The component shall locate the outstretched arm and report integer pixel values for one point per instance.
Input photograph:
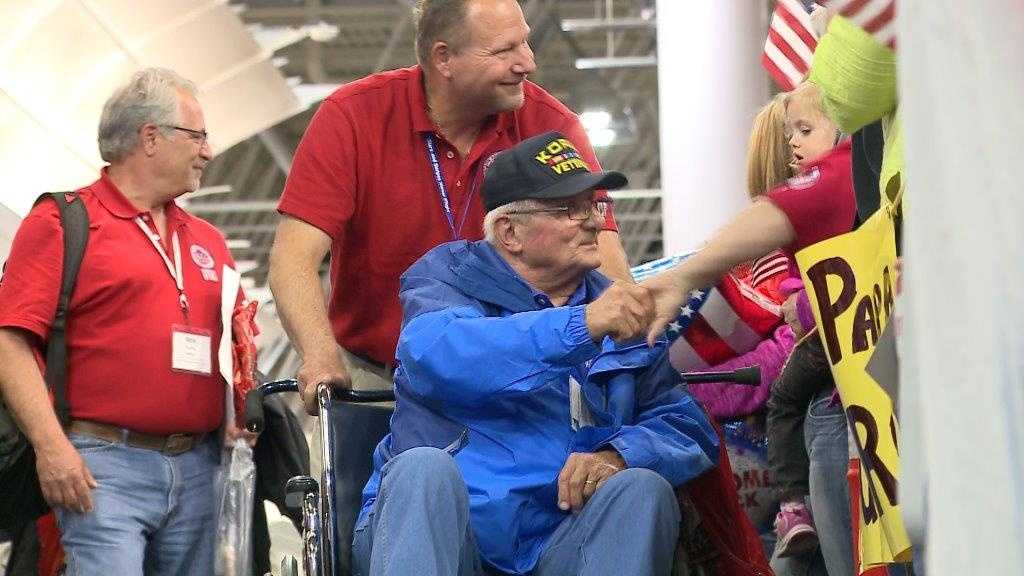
(756, 231)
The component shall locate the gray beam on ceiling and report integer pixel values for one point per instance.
(238, 172)
(639, 221)
(267, 179)
(532, 8)
(279, 151)
(635, 193)
(636, 217)
(271, 205)
(233, 206)
(314, 58)
(399, 32)
(314, 10)
(604, 62)
(241, 229)
(590, 24)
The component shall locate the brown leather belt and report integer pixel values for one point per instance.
(172, 445)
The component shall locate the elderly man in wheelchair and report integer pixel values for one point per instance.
(533, 432)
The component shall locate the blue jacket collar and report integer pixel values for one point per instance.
(482, 273)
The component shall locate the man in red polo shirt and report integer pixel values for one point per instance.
(389, 167)
(131, 478)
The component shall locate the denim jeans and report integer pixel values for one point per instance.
(152, 513)
(805, 375)
(420, 525)
(825, 433)
(825, 437)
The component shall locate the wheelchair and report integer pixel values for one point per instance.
(329, 507)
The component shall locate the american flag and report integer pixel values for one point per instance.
(876, 17)
(718, 324)
(790, 45)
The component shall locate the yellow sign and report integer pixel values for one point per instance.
(850, 282)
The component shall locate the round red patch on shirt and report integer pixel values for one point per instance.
(200, 256)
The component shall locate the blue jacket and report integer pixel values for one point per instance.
(484, 369)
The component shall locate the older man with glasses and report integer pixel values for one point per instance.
(129, 467)
(532, 433)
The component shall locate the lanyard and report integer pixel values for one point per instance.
(175, 268)
(442, 189)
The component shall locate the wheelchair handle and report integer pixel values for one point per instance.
(746, 376)
(254, 399)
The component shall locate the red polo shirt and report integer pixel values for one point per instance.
(362, 174)
(121, 312)
(819, 202)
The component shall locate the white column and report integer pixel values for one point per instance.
(9, 222)
(710, 84)
(961, 86)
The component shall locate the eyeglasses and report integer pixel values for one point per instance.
(578, 212)
(197, 135)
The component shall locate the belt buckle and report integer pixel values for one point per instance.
(177, 443)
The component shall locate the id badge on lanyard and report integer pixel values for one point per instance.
(191, 347)
(191, 350)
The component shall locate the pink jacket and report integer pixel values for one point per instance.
(732, 401)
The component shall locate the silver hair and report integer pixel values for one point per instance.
(492, 217)
(151, 96)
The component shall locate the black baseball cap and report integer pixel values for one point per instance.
(539, 168)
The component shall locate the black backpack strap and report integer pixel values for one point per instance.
(75, 221)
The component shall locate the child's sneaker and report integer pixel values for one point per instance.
(795, 530)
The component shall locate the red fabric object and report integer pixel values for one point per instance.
(243, 349)
(733, 320)
(362, 175)
(755, 336)
(790, 45)
(713, 494)
(121, 311)
(853, 479)
(876, 17)
(818, 203)
(767, 274)
(51, 554)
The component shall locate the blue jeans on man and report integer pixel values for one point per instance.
(420, 525)
(152, 514)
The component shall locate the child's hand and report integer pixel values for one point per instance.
(670, 289)
(792, 317)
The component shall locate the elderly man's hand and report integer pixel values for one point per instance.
(622, 312)
(583, 474)
(316, 370)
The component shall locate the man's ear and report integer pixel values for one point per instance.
(147, 138)
(441, 58)
(509, 235)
